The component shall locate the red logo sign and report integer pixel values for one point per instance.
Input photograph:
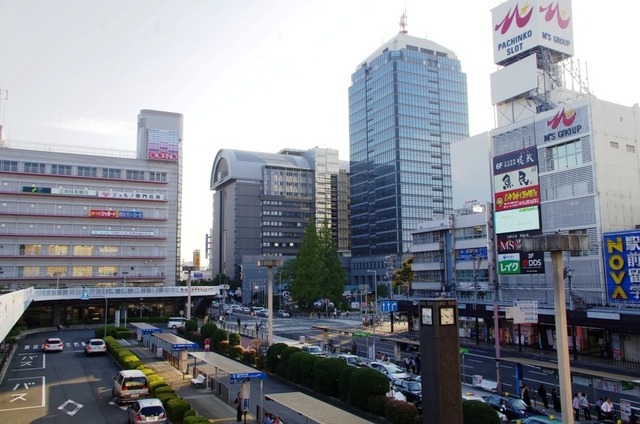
(554, 11)
(566, 118)
(521, 17)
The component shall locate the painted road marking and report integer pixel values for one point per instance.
(73, 411)
(25, 393)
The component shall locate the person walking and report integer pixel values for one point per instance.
(607, 409)
(238, 404)
(354, 349)
(576, 406)
(525, 395)
(542, 394)
(266, 419)
(584, 402)
(556, 400)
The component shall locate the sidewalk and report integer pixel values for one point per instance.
(202, 400)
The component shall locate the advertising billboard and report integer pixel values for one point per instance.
(516, 188)
(519, 26)
(622, 265)
(163, 145)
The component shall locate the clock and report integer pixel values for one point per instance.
(427, 316)
(447, 316)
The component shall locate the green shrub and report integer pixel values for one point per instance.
(326, 373)
(364, 384)
(195, 420)
(189, 413)
(285, 355)
(206, 331)
(236, 352)
(343, 382)
(292, 372)
(218, 336)
(156, 384)
(124, 334)
(399, 412)
(176, 409)
(376, 404)
(249, 356)
(166, 397)
(161, 390)
(273, 355)
(234, 339)
(306, 369)
(191, 326)
(478, 412)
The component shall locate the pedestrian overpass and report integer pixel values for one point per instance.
(14, 304)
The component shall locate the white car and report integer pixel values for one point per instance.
(52, 344)
(392, 371)
(95, 346)
(175, 322)
(314, 350)
(283, 314)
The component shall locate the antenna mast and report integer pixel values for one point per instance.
(403, 22)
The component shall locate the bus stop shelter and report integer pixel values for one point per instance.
(144, 332)
(221, 372)
(172, 348)
(314, 410)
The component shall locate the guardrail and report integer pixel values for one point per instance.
(40, 295)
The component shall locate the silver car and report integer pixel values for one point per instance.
(147, 411)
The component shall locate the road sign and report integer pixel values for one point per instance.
(242, 376)
(529, 309)
(388, 306)
(286, 294)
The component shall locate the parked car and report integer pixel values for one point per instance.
(263, 313)
(52, 344)
(541, 419)
(147, 411)
(95, 346)
(175, 322)
(352, 360)
(392, 371)
(474, 396)
(129, 386)
(512, 406)
(245, 310)
(409, 387)
(313, 349)
(320, 303)
(283, 314)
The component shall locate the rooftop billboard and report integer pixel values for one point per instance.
(521, 25)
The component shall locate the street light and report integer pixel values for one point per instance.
(477, 260)
(270, 263)
(568, 274)
(375, 286)
(57, 274)
(85, 296)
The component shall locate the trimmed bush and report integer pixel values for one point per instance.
(189, 413)
(155, 385)
(273, 355)
(327, 372)
(249, 356)
(124, 334)
(195, 420)
(306, 369)
(478, 412)
(191, 326)
(292, 372)
(176, 409)
(364, 384)
(166, 397)
(217, 337)
(343, 382)
(285, 355)
(376, 404)
(236, 352)
(399, 412)
(164, 389)
(234, 339)
(206, 331)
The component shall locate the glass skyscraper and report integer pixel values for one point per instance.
(407, 103)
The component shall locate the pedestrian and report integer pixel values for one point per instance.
(407, 364)
(576, 406)
(542, 394)
(417, 364)
(267, 418)
(584, 402)
(633, 419)
(239, 321)
(598, 408)
(276, 420)
(238, 404)
(556, 400)
(354, 349)
(607, 409)
(524, 394)
(412, 363)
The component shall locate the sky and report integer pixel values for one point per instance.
(256, 75)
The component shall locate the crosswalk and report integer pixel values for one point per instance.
(67, 345)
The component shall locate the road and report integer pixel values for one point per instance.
(61, 387)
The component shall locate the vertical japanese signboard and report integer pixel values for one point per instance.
(622, 265)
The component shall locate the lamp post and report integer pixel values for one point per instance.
(375, 287)
(270, 264)
(124, 280)
(567, 274)
(477, 260)
(85, 296)
(188, 269)
(57, 274)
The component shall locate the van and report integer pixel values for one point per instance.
(175, 322)
(130, 385)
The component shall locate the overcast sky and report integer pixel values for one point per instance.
(248, 74)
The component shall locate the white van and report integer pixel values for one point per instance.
(129, 386)
(175, 322)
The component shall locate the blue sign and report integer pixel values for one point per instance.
(151, 330)
(183, 346)
(388, 306)
(242, 376)
(622, 265)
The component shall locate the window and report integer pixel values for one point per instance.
(61, 169)
(8, 165)
(87, 171)
(564, 156)
(34, 167)
(111, 173)
(158, 176)
(135, 175)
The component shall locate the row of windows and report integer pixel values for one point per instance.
(103, 250)
(81, 171)
(87, 271)
(277, 244)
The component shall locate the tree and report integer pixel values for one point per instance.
(334, 279)
(309, 268)
(404, 276)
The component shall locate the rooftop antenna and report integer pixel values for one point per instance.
(403, 22)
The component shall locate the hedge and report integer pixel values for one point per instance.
(176, 409)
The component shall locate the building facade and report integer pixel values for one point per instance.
(407, 104)
(97, 218)
(262, 203)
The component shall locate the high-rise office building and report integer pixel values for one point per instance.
(407, 104)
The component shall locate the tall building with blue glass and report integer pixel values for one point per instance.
(407, 104)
